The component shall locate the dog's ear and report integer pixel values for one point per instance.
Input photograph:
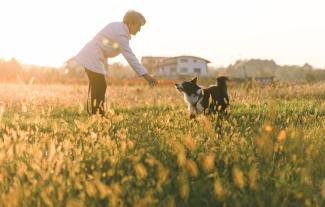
(194, 80)
(222, 78)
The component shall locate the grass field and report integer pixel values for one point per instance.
(269, 150)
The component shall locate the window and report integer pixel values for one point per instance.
(184, 70)
(184, 60)
(195, 60)
(197, 70)
(172, 70)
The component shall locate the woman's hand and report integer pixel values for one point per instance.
(151, 81)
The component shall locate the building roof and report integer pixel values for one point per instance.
(153, 57)
(186, 56)
(174, 57)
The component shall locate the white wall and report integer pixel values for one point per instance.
(179, 65)
(191, 64)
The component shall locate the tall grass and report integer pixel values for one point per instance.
(268, 151)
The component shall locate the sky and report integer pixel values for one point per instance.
(48, 32)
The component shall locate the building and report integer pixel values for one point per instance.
(176, 66)
(152, 63)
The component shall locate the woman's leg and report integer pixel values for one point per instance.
(97, 84)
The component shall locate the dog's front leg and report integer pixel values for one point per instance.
(212, 107)
(192, 116)
(192, 111)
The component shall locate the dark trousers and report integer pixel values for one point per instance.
(97, 87)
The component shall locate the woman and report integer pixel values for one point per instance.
(112, 40)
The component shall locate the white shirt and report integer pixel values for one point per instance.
(109, 42)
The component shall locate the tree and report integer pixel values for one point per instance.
(11, 68)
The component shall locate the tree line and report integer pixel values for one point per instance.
(12, 71)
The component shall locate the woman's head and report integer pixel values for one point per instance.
(134, 20)
(134, 17)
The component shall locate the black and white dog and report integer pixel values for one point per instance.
(204, 100)
(194, 95)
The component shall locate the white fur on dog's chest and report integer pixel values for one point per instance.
(192, 99)
(194, 104)
(199, 107)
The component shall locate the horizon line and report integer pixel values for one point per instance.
(124, 63)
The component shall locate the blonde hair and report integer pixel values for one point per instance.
(134, 17)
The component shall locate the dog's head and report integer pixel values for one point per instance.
(222, 80)
(188, 87)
